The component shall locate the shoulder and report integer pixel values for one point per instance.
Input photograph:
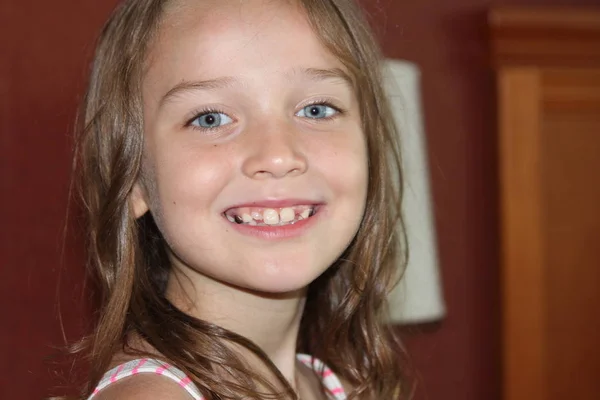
(346, 385)
(143, 387)
(145, 378)
(334, 383)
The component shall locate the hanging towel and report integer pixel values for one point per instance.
(418, 298)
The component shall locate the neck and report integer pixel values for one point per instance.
(271, 321)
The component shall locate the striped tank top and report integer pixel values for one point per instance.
(151, 366)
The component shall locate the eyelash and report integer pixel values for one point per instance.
(317, 102)
(326, 103)
(200, 113)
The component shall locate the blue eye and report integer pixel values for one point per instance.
(317, 111)
(210, 120)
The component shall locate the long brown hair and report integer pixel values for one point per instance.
(343, 319)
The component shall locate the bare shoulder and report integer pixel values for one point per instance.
(143, 387)
(346, 385)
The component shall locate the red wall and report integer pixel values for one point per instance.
(43, 48)
(459, 358)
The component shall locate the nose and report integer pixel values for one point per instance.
(274, 153)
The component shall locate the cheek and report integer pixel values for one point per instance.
(186, 183)
(345, 163)
(193, 172)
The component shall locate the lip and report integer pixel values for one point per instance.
(283, 232)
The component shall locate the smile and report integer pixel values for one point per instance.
(260, 216)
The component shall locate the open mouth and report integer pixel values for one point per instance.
(260, 216)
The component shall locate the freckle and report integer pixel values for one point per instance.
(214, 145)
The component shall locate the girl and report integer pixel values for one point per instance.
(236, 168)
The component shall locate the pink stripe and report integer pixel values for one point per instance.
(137, 367)
(337, 390)
(117, 372)
(160, 370)
(185, 381)
(327, 372)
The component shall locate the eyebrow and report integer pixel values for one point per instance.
(187, 86)
(318, 74)
(314, 74)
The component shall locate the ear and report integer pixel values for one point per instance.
(137, 200)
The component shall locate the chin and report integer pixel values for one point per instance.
(283, 278)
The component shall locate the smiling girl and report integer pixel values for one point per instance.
(237, 161)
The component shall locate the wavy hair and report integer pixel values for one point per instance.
(343, 321)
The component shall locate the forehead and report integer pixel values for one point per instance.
(224, 13)
(209, 39)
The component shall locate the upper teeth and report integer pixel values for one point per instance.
(269, 216)
(287, 215)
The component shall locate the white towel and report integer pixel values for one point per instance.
(418, 298)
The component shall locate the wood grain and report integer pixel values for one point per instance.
(548, 63)
(522, 239)
(555, 36)
(571, 191)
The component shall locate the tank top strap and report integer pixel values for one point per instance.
(148, 365)
(152, 366)
(331, 382)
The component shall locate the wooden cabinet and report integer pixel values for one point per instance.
(548, 78)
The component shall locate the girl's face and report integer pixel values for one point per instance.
(255, 166)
